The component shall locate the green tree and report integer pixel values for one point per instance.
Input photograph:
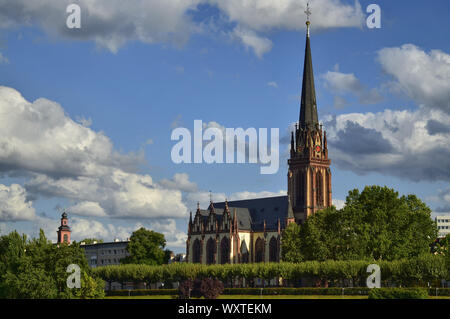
(146, 247)
(290, 245)
(374, 224)
(37, 269)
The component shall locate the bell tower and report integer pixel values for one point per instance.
(309, 175)
(64, 230)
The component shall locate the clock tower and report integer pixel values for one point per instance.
(309, 175)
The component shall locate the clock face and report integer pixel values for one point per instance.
(317, 148)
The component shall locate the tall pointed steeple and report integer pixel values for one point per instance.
(309, 176)
(308, 107)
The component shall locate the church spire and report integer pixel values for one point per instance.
(308, 108)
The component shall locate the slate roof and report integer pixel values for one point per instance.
(251, 213)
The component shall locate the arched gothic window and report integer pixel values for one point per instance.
(244, 253)
(273, 250)
(196, 251)
(301, 189)
(319, 189)
(211, 251)
(225, 251)
(259, 250)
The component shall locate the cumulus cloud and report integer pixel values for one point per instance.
(109, 23)
(87, 208)
(343, 83)
(396, 143)
(289, 14)
(112, 23)
(119, 194)
(174, 237)
(423, 77)
(38, 136)
(63, 158)
(91, 228)
(338, 203)
(273, 84)
(14, 204)
(259, 44)
(179, 181)
(444, 198)
(3, 59)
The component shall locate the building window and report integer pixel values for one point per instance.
(196, 251)
(244, 253)
(300, 189)
(259, 250)
(273, 250)
(319, 189)
(66, 238)
(225, 251)
(210, 251)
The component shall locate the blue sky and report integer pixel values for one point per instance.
(132, 74)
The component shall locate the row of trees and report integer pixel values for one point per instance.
(374, 224)
(37, 269)
(420, 271)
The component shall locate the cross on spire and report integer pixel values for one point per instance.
(308, 14)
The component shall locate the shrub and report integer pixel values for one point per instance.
(185, 288)
(211, 288)
(206, 287)
(398, 293)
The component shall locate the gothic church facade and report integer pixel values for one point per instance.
(249, 231)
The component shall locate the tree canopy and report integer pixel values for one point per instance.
(37, 269)
(147, 247)
(374, 224)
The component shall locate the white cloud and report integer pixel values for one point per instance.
(119, 194)
(3, 59)
(338, 203)
(423, 77)
(263, 15)
(112, 23)
(87, 208)
(88, 228)
(341, 83)
(179, 181)
(65, 159)
(174, 237)
(39, 137)
(273, 84)
(14, 204)
(397, 143)
(250, 39)
(108, 23)
(443, 198)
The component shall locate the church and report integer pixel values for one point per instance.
(249, 231)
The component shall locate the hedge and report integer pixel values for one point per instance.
(142, 292)
(296, 291)
(279, 291)
(428, 269)
(398, 293)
